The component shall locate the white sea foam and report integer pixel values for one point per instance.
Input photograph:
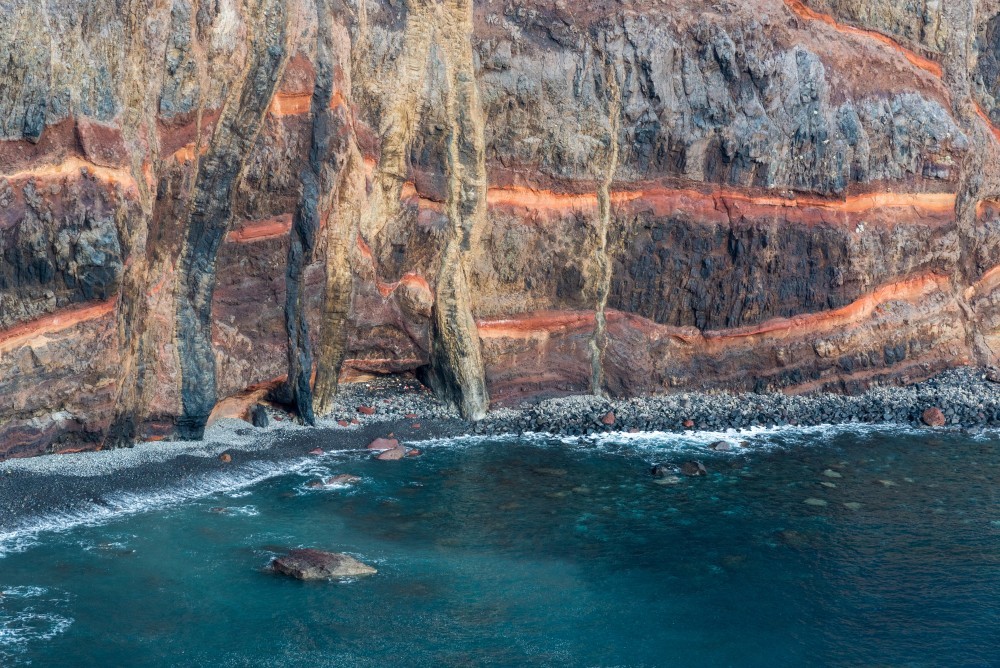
(22, 620)
(235, 481)
(116, 506)
(694, 442)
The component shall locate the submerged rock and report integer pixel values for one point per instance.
(721, 446)
(343, 479)
(693, 468)
(310, 564)
(662, 471)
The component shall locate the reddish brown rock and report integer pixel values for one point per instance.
(688, 424)
(609, 418)
(366, 410)
(225, 458)
(415, 452)
(383, 444)
(393, 455)
(933, 417)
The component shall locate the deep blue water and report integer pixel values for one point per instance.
(544, 553)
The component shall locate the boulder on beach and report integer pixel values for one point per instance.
(366, 410)
(609, 418)
(383, 444)
(392, 455)
(933, 417)
(225, 458)
(310, 564)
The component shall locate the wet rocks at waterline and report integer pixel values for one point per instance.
(312, 564)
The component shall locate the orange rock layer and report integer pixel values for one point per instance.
(29, 332)
(927, 65)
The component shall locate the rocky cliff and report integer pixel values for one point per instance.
(203, 200)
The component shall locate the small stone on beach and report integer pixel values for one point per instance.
(225, 458)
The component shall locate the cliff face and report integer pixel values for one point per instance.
(202, 200)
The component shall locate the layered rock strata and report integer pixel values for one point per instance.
(204, 202)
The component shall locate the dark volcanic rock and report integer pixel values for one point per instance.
(258, 416)
(310, 564)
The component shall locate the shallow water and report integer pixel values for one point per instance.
(538, 552)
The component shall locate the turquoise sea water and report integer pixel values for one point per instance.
(541, 553)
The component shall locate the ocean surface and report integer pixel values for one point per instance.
(814, 547)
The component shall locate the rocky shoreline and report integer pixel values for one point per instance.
(402, 409)
(965, 397)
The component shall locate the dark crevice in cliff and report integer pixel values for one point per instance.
(210, 213)
(306, 225)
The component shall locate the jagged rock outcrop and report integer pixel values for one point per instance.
(215, 201)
